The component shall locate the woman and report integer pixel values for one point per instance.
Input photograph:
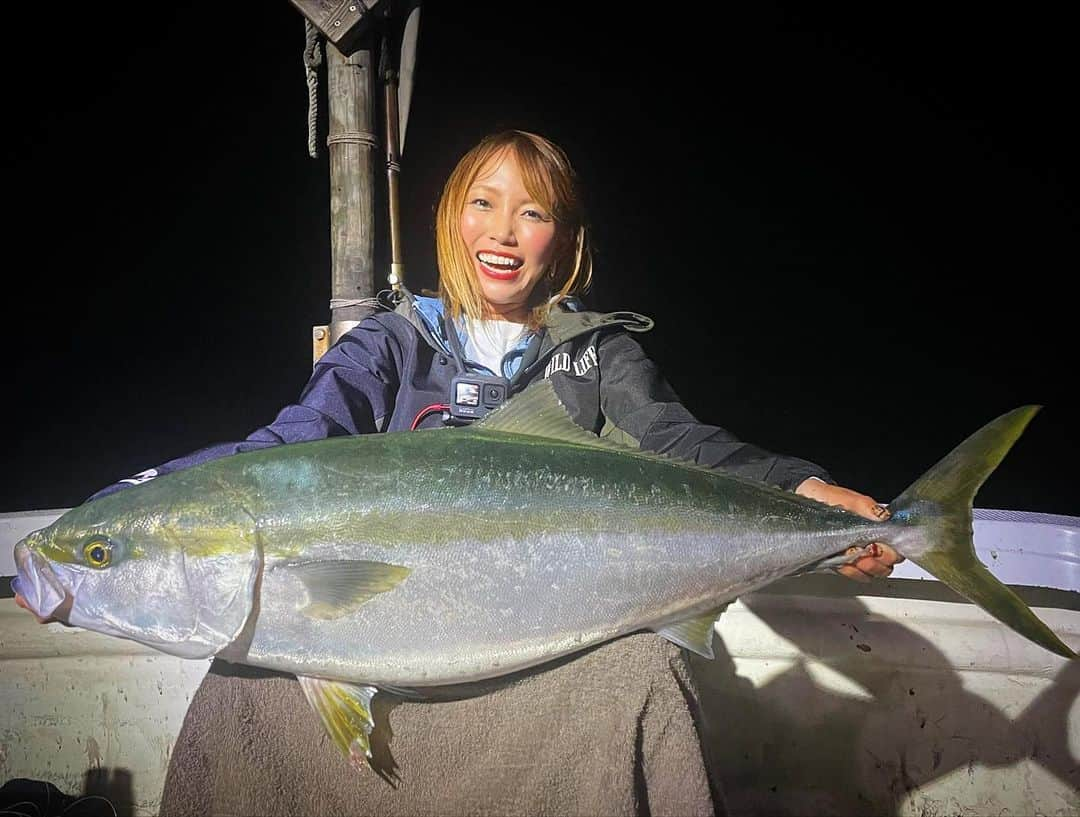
(611, 731)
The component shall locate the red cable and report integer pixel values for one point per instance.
(424, 412)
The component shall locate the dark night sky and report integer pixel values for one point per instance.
(854, 228)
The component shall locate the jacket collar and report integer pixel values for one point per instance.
(566, 321)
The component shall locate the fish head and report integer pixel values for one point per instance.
(185, 590)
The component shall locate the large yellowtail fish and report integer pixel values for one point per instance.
(432, 559)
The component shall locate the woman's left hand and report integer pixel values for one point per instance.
(879, 563)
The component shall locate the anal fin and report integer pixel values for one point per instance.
(695, 634)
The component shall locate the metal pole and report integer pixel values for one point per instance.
(393, 168)
(352, 143)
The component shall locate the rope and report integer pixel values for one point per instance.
(341, 303)
(385, 299)
(354, 137)
(312, 61)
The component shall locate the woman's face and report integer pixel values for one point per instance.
(510, 237)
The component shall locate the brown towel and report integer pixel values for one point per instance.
(610, 732)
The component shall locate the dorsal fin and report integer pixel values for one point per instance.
(538, 412)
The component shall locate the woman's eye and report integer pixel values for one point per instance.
(535, 215)
(480, 203)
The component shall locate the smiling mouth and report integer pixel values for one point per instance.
(501, 267)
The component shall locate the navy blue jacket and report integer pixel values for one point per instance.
(382, 375)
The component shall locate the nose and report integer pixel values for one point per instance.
(502, 228)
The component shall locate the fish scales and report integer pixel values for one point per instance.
(510, 564)
(434, 558)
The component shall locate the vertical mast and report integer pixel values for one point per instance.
(352, 142)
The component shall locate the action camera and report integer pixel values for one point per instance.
(474, 395)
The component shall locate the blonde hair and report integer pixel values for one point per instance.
(548, 178)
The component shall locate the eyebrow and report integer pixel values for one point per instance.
(490, 188)
(478, 187)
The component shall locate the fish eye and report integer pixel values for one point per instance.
(98, 552)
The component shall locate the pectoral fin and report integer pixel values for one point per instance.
(345, 711)
(694, 634)
(337, 588)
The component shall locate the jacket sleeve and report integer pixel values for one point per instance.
(636, 398)
(351, 391)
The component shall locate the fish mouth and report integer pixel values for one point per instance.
(37, 587)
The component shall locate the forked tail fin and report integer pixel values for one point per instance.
(940, 502)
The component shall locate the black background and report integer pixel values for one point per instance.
(854, 228)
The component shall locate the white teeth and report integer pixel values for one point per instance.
(499, 260)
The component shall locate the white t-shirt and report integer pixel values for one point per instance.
(488, 341)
